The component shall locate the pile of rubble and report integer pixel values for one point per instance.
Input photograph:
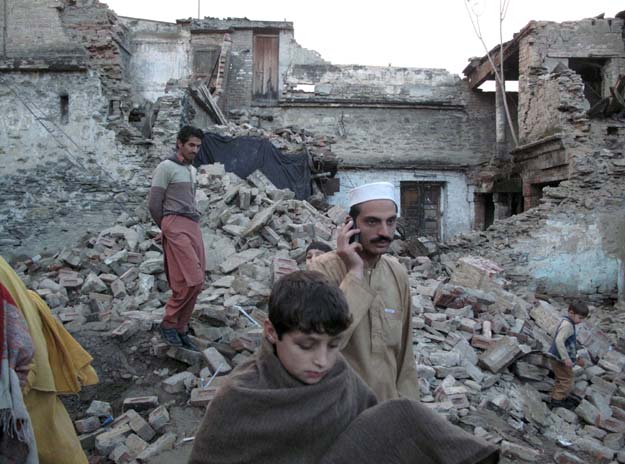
(480, 361)
(55, 195)
(126, 438)
(291, 139)
(114, 281)
(478, 345)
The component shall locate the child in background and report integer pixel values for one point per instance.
(563, 352)
(315, 249)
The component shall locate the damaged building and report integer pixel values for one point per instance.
(569, 158)
(504, 223)
(422, 129)
(95, 99)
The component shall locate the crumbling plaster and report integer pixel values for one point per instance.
(160, 52)
(547, 44)
(371, 83)
(24, 140)
(576, 255)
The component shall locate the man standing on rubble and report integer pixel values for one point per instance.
(379, 342)
(172, 206)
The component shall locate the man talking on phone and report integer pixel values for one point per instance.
(378, 344)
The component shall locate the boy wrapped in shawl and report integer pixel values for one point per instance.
(263, 414)
(297, 401)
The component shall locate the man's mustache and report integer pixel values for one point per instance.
(381, 239)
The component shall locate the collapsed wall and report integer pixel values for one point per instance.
(62, 159)
(573, 242)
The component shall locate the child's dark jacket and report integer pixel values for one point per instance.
(565, 329)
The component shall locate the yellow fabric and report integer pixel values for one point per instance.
(379, 346)
(41, 377)
(56, 439)
(61, 365)
(70, 362)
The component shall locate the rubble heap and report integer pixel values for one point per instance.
(480, 361)
(478, 345)
(593, 191)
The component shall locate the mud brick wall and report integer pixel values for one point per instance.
(548, 44)
(241, 69)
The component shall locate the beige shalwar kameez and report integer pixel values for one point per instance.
(379, 341)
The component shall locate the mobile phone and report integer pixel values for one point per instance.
(355, 237)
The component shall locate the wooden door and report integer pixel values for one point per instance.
(420, 208)
(265, 85)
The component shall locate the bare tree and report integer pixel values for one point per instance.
(474, 16)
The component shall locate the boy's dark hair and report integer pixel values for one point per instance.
(580, 308)
(319, 246)
(186, 132)
(306, 301)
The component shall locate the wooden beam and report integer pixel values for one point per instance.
(484, 70)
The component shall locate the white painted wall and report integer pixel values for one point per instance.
(456, 195)
(155, 62)
(160, 52)
(570, 257)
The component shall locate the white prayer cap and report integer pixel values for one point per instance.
(373, 191)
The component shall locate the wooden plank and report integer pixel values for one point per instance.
(204, 99)
(484, 71)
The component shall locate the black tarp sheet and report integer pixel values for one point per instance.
(244, 155)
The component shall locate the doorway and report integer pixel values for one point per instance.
(420, 209)
(265, 83)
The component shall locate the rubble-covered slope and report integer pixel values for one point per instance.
(477, 344)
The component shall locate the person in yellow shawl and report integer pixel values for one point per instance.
(60, 365)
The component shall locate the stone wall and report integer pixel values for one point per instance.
(572, 239)
(573, 242)
(374, 83)
(57, 185)
(396, 137)
(554, 93)
(456, 195)
(160, 52)
(34, 29)
(548, 44)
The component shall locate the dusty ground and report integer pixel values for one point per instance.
(127, 369)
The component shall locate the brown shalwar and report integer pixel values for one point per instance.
(184, 266)
(564, 379)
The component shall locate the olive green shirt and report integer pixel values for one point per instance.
(173, 191)
(379, 341)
